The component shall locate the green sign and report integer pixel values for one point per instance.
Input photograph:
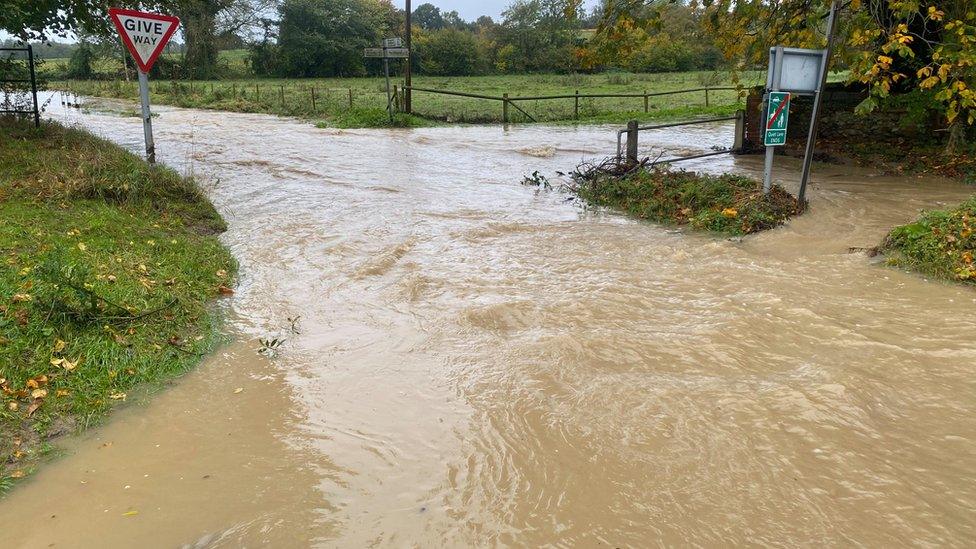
(777, 118)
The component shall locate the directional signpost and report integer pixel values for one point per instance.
(145, 35)
(392, 49)
(777, 118)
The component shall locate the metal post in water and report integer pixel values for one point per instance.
(147, 117)
(632, 131)
(777, 78)
(817, 101)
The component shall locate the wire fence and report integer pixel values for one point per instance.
(310, 98)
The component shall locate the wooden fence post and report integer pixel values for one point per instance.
(394, 101)
(281, 91)
(233, 90)
(257, 92)
(350, 98)
(632, 132)
(313, 98)
(505, 108)
(706, 97)
(646, 103)
(576, 107)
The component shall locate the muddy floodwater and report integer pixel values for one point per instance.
(483, 364)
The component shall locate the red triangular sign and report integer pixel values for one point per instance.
(145, 34)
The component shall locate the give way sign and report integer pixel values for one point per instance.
(145, 34)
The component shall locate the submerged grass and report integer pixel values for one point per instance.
(727, 204)
(941, 243)
(108, 269)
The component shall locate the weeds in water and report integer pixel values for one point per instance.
(537, 180)
(270, 347)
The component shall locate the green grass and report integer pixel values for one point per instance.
(109, 270)
(291, 97)
(941, 244)
(726, 204)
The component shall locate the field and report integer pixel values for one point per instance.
(345, 101)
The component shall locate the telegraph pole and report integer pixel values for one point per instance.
(407, 92)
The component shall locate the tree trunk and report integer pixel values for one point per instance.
(199, 30)
(957, 137)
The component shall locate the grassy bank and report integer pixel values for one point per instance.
(940, 243)
(335, 99)
(726, 204)
(109, 270)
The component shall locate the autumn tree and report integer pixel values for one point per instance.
(924, 50)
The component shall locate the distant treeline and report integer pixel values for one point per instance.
(326, 38)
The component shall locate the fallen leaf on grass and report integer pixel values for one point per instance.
(63, 393)
(17, 474)
(117, 396)
(13, 406)
(34, 407)
(82, 247)
(59, 346)
(38, 393)
(225, 291)
(22, 298)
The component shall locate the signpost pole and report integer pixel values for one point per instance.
(408, 90)
(817, 101)
(147, 117)
(775, 80)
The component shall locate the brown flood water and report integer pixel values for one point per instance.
(481, 364)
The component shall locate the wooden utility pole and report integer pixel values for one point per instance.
(407, 92)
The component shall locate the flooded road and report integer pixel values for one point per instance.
(482, 364)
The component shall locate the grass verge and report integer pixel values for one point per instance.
(109, 269)
(941, 244)
(727, 204)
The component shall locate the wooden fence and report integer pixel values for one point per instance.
(512, 101)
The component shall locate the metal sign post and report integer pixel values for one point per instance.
(145, 35)
(775, 79)
(391, 50)
(818, 100)
(146, 117)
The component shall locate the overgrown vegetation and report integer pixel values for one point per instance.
(940, 243)
(109, 268)
(727, 204)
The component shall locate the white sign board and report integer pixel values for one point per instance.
(144, 34)
(800, 73)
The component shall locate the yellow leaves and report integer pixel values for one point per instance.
(130, 513)
(929, 82)
(22, 298)
(62, 393)
(238, 390)
(924, 71)
(82, 246)
(59, 346)
(13, 406)
(38, 393)
(18, 474)
(25, 271)
(118, 396)
(730, 212)
(935, 14)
